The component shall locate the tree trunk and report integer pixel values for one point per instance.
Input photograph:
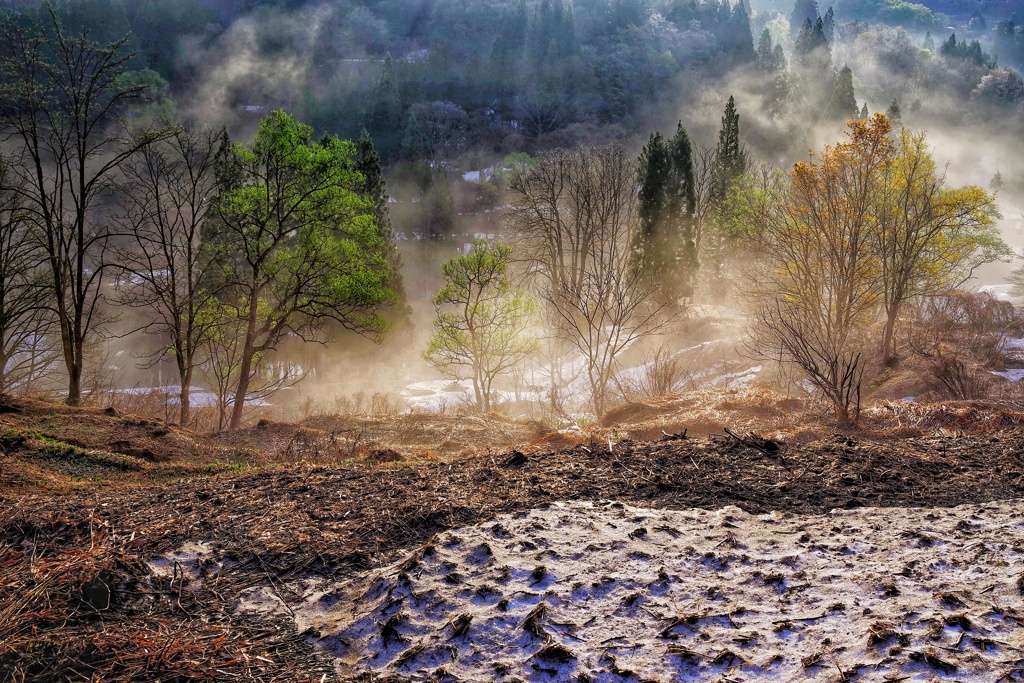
(598, 393)
(477, 392)
(74, 384)
(74, 369)
(888, 352)
(184, 410)
(244, 372)
(4, 389)
(184, 407)
(243, 386)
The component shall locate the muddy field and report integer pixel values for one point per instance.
(133, 582)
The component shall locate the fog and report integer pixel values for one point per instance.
(323, 63)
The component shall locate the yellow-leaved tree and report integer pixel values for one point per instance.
(928, 237)
(846, 240)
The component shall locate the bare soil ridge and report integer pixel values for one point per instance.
(78, 598)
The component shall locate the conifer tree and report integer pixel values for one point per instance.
(828, 25)
(812, 47)
(803, 11)
(996, 183)
(373, 188)
(509, 48)
(765, 55)
(949, 48)
(742, 47)
(843, 105)
(542, 35)
(864, 111)
(894, 114)
(653, 168)
(666, 245)
(386, 117)
(684, 204)
(730, 158)
(779, 58)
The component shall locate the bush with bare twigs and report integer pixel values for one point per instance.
(959, 336)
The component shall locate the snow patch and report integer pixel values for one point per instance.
(609, 592)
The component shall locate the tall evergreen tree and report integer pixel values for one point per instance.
(741, 38)
(386, 117)
(653, 168)
(864, 111)
(684, 203)
(542, 35)
(779, 61)
(803, 11)
(373, 188)
(765, 55)
(730, 157)
(894, 114)
(508, 49)
(843, 105)
(666, 246)
(828, 25)
(812, 47)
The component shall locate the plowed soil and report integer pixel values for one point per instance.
(80, 599)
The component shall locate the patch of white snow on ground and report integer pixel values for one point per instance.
(608, 592)
(1013, 374)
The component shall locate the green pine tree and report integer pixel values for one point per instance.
(386, 116)
(730, 157)
(765, 54)
(373, 187)
(804, 11)
(843, 104)
(894, 113)
(666, 247)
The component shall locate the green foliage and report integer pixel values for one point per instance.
(731, 160)
(296, 244)
(965, 52)
(481, 324)
(160, 25)
(666, 248)
(158, 107)
(292, 213)
(373, 188)
(910, 15)
(843, 105)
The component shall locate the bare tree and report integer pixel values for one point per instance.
(703, 184)
(541, 110)
(61, 103)
(164, 201)
(575, 213)
(27, 350)
(820, 290)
